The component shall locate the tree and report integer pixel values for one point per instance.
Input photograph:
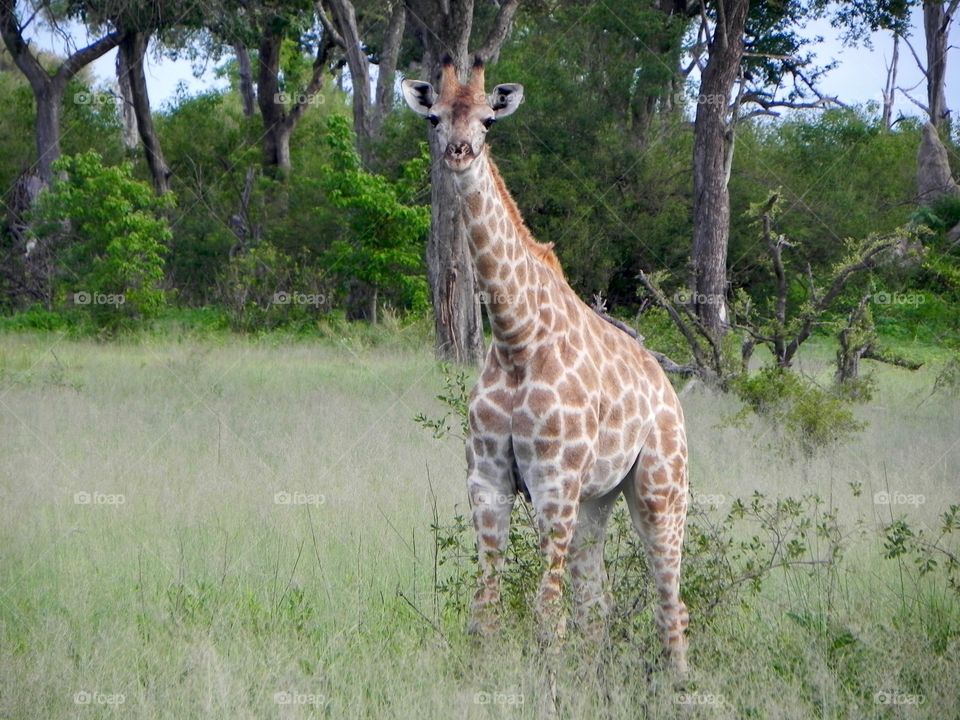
(368, 114)
(282, 107)
(443, 26)
(48, 88)
(755, 65)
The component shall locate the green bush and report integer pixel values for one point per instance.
(807, 419)
(109, 238)
(381, 244)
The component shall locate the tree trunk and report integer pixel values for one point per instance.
(47, 89)
(127, 117)
(890, 87)
(713, 138)
(245, 74)
(48, 129)
(276, 136)
(453, 286)
(133, 48)
(936, 27)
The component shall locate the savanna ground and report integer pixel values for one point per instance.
(216, 526)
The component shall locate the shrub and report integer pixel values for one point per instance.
(384, 228)
(806, 418)
(109, 239)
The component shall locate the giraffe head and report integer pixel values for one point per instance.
(461, 113)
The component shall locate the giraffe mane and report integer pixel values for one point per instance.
(541, 251)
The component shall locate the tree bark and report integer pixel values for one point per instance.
(444, 26)
(890, 88)
(133, 49)
(278, 121)
(713, 138)
(245, 74)
(369, 110)
(127, 117)
(276, 141)
(936, 28)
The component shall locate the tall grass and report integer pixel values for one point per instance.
(220, 527)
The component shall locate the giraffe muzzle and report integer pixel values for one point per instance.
(459, 152)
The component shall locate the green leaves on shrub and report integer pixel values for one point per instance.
(109, 236)
(806, 418)
(385, 228)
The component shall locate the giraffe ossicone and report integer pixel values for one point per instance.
(567, 405)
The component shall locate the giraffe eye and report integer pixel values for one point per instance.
(434, 120)
(488, 122)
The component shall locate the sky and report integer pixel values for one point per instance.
(858, 78)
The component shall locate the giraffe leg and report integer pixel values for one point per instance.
(491, 500)
(556, 508)
(588, 575)
(657, 498)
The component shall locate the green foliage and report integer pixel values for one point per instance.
(264, 288)
(384, 228)
(805, 418)
(456, 400)
(928, 552)
(110, 238)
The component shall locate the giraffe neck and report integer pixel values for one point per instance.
(513, 282)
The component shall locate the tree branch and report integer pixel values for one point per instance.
(19, 50)
(83, 57)
(328, 26)
(490, 50)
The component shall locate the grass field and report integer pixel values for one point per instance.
(225, 527)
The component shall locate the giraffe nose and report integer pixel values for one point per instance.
(459, 150)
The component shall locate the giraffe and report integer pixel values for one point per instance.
(568, 408)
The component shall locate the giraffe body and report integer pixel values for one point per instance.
(567, 405)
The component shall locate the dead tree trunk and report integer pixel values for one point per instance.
(712, 153)
(133, 49)
(444, 27)
(890, 88)
(937, 16)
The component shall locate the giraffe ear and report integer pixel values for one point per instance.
(420, 96)
(506, 98)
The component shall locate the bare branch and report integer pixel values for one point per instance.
(328, 26)
(916, 57)
(490, 49)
